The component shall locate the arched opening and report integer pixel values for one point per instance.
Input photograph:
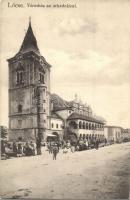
(80, 136)
(73, 125)
(83, 136)
(53, 137)
(87, 136)
(87, 126)
(73, 138)
(56, 134)
(90, 127)
(80, 125)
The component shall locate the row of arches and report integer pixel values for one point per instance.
(85, 125)
(89, 125)
(90, 136)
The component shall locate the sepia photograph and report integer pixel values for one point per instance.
(65, 99)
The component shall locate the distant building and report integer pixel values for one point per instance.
(113, 133)
(126, 134)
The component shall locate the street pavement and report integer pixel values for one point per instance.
(90, 174)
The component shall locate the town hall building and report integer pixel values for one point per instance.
(33, 110)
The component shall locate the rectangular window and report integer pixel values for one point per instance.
(19, 123)
(19, 77)
(41, 77)
(20, 108)
(56, 125)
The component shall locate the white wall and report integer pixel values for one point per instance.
(113, 133)
(84, 131)
(55, 121)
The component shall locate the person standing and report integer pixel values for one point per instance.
(105, 140)
(20, 149)
(55, 151)
(97, 144)
(32, 146)
(86, 143)
(38, 146)
(15, 149)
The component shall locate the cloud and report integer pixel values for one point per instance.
(89, 67)
(75, 26)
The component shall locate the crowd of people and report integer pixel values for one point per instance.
(19, 149)
(70, 146)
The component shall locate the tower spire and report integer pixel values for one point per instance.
(29, 42)
(29, 20)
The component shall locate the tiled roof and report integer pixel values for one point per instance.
(29, 42)
(83, 117)
(56, 116)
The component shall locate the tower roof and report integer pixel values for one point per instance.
(29, 42)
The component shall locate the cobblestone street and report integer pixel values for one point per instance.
(92, 174)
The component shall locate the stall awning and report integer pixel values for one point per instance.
(51, 135)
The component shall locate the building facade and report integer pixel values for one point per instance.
(29, 91)
(78, 119)
(113, 133)
(33, 110)
(126, 134)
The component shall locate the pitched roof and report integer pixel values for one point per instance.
(59, 103)
(29, 42)
(83, 117)
(56, 116)
(113, 127)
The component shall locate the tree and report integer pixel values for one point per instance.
(3, 132)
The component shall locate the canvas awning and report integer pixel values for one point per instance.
(51, 135)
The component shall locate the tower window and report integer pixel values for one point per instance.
(19, 108)
(19, 123)
(19, 77)
(19, 74)
(41, 77)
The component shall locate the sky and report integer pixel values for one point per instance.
(87, 46)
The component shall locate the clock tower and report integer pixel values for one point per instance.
(29, 91)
